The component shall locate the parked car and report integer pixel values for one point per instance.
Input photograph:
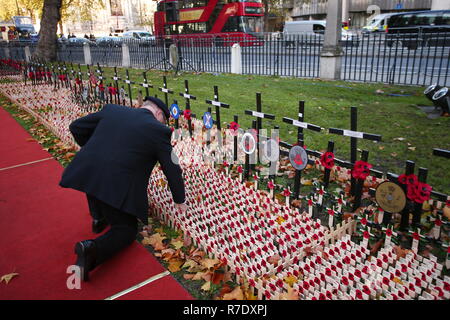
(377, 23)
(419, 28)
(312, 27)
(144, 37)
(78, 41)
(109, 41)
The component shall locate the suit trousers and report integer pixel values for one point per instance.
(122, 232)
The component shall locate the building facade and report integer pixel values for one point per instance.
(356, 11)
(115, 17)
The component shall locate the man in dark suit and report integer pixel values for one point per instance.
(119, 148)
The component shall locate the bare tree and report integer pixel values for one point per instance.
(47, 45)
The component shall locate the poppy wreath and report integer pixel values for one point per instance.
(77, 81)
(327, 160)
(417, 191)
(361, 170)
(234, 127)
(112, 90)
(187, 114)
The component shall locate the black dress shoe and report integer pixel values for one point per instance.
(86, 251)
(99, 225)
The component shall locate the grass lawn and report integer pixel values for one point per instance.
(406, 132)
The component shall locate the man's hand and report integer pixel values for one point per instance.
(182, 207)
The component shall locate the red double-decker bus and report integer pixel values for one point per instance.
(225, 21)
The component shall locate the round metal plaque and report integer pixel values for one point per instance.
(390, 197)
(298, 157)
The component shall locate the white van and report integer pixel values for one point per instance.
(311, 27)
(377, 23)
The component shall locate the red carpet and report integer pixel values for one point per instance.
(16, 145)
(40, 223)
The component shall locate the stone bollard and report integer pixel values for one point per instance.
(236, 59)
(173, 55)
(126, 61)
(87, 54)
(27, 54)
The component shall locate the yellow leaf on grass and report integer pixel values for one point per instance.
(177, 244)
(175, 265)
(7, 277)
(206, 286)
(236, 294)
(191, 265)
(198, 276)
(290, 280)
(209, 263)
(155, 241)
(280, 220)
(397, 280)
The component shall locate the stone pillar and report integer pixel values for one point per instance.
(27, 54)
(236, 59)
(87, 54)
(331, 54)
(7, 53)
(126, 61)
(173, 55)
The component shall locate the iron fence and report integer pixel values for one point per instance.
(402, 58)
(405, 58)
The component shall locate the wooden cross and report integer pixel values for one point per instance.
(188, 98)
(216, 102)
(359, 183)
(129, 83)
(259, 114)
(387, 241)
(165, 90)
(66, 74)
(300, 124)
(116, 79)
(441, 153)
(145, 84)
(354, 136)
(101, 77)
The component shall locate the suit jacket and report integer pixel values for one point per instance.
(119, 148)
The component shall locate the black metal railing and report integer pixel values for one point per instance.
(413, 58)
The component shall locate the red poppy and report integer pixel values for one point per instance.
(187, 114)
(366, 235)
(286, 193)
(388, 232)
(270, 185)
(322, 296)
(239, 169)
(386, 281)
(327, 160)
(344, 281)
(361, 170)
(364, 221)
(422, 192)
(359, 294)
(358, 273)
(347, 260)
